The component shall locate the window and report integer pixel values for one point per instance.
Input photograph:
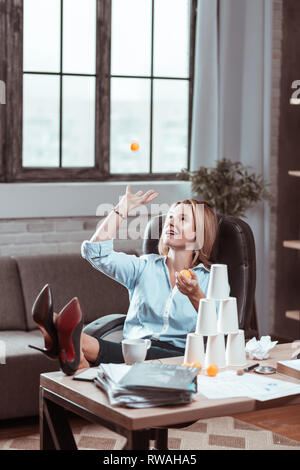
(59, 61)
(93, 77)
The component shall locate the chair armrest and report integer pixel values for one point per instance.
(104, 324)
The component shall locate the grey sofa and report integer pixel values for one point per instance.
(21, 279)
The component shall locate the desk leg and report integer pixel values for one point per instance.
(161, 439)
(138, 440)
(46, 441)
(55, 430)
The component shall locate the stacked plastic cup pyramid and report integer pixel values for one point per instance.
(216, 321)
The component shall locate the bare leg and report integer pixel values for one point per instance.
(89, 348)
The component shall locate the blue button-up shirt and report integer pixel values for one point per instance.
(156, 310)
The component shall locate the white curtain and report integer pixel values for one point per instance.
(204, 145)
(231, 108)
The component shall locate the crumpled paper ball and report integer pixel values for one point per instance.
(260, 349)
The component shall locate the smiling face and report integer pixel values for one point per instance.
(190, 225)
(179, 227)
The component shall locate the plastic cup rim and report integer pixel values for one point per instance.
(218, 299)
(216, 334)
(194, 333)
(209, 334)
(240, 331)
(229, 333)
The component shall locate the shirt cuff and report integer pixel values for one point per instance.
(96, 249)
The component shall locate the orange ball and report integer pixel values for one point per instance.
(134, 146)
(212, 370)
(186, 272)
(187, 364)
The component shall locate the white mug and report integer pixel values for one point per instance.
(135, 350)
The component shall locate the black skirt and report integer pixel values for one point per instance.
(111, 352)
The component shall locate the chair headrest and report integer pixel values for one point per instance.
(152, 234)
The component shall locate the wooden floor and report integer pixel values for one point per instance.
(284, 421)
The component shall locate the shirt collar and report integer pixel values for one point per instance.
(198, 266)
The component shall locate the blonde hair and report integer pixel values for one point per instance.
(210, 229)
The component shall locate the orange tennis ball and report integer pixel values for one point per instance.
(186, 272)
(134, 146)
(212, 370)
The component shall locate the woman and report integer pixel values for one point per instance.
(163, 303)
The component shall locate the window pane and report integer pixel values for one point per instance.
(41, 49)
(78, 144)
(79, 36)
(170, 125)
(130, 122)
(131, 37)
(171, 38)
(40, 120)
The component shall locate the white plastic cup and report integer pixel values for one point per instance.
(135, 350)
(215, 351)
(228, 316)
(194, 349)
(207, 318)
(235, 349)
(218, 282)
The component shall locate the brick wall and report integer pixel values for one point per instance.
(60, 235)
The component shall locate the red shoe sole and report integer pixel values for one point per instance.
(66, 323)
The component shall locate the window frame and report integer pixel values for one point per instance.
(11, 67)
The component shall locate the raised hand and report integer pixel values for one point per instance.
(132, 200)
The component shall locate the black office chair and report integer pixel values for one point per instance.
(234, 246)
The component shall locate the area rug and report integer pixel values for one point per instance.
(207, 434)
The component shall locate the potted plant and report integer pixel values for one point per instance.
(229, 187)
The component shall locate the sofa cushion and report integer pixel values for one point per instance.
(69, 275)
(20, 375)
(12, 312)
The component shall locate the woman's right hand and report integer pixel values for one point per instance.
(130, 201)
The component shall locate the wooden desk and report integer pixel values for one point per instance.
(59, 392)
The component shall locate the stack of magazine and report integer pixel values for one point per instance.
(144, 385)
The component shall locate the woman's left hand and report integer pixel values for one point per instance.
(190, 287)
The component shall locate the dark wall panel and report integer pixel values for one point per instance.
(288, 209)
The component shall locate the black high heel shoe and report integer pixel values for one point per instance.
(42, 314)
(69, 326)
